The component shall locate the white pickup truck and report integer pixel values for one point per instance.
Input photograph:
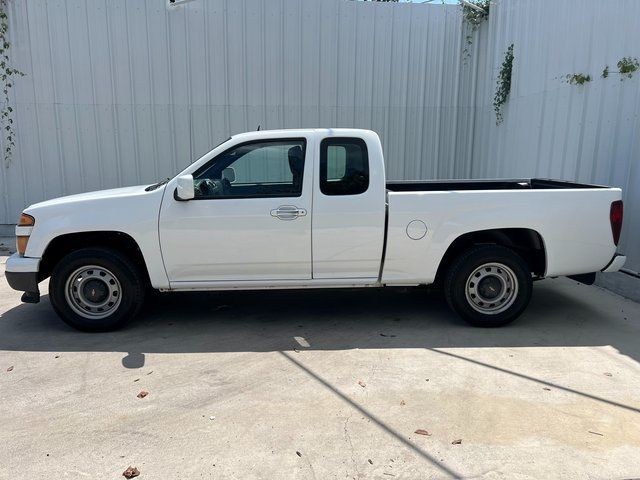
(311, 209)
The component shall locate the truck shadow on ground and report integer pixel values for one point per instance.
(561, 313)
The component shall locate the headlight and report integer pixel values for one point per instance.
(23, 231)
(26, 220)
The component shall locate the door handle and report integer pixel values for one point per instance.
(288, 212)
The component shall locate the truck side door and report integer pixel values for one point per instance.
(248, 220)
(348, 208)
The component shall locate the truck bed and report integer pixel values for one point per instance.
(511, 184)
(571, 220)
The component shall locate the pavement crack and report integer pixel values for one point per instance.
(348, 437)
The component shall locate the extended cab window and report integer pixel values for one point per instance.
(271, 168)
(344, 166)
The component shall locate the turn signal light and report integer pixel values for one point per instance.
(21, 244)
(22, 240)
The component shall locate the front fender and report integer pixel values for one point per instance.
(134, 214)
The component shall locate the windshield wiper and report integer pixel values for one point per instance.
(156, 185)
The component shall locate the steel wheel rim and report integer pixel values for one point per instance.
(491, 288)
(93, 292)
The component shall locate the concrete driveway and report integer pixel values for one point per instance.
(324, 384)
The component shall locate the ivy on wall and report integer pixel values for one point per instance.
(503, 88)
(474, 13)
(578, 78)
(627, 66)
(7, 73)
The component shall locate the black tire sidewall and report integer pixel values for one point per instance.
(130, 281)
(455, 284)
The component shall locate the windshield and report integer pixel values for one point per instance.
(162, 182)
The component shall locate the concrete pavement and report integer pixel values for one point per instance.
(324, 384)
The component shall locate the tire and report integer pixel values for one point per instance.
(96, 289)
(488, 286)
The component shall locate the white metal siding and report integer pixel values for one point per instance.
(589, 133)
(121, 92)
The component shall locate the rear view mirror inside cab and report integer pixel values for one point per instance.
(229, 174)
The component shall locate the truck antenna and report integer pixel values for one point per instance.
(258, 128)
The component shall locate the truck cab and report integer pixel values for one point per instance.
(261, 201)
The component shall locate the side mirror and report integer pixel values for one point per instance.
(229, 174)
(185, 190)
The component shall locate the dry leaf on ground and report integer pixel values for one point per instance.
(131, 472)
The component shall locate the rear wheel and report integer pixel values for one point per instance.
(488, 286)
(96, 289)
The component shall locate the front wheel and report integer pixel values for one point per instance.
(96, 289)
(488, 286)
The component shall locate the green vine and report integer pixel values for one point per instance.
(7, 72)
(504, 84)
(474, 13)
(627, 66)
(578, 78)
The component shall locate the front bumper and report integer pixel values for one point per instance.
(617, 262)
(22, 273)
(23, 281)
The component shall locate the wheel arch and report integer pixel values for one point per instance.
(527, 242)
(64, 244)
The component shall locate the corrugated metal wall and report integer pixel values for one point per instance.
(121, 92)
(589, 133)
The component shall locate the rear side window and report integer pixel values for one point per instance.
(344, 166)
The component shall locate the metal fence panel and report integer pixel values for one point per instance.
(122, 92)
(590, 132)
